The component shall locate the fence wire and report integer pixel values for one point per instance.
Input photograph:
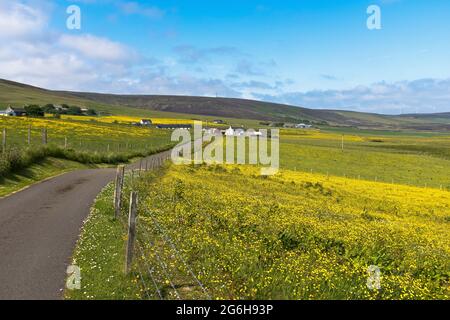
(151, 235)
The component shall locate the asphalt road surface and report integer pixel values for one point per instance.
(39, 227)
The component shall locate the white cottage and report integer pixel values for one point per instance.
(234, 132)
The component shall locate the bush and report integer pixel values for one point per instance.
(49, 108)
(91, 112)
(34, 111)
(74, 111)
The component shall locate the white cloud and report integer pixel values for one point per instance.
(36, 55)
(18, 20)
(97, 48)
(423, 95)
(132, 7)
(190, 54)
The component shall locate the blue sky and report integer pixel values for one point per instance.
(312, 53)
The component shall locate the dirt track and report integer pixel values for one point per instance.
(39, 227)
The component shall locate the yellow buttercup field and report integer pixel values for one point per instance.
(128, 119)
(94, 134)
(290, 236)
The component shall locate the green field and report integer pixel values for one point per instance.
(420, 159)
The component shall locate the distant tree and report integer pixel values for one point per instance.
(91, 112)
(34, 110)
(49, 108)
(74, 110)
(65, 106)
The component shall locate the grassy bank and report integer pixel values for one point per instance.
(44, 169)
(19, 159)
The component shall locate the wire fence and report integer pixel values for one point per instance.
(157, 259)
(98, 141)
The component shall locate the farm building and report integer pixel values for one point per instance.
(146, 122)
(174, 126)
(13, 112)
(234, 132)
(212, 131)
(253, 133)
(303, 126)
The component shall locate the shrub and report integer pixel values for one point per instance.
(34, 111)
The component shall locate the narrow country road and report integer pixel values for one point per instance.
(39, 227)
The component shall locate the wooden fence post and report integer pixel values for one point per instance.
(44, 136)
(65, 142)
(29, 135)
(4, 140)
(118, 190)
(131, 231)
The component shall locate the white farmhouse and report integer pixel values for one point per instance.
(303, 126)
(234, 132)
(253, 133)
(13, 112)
(212, 131)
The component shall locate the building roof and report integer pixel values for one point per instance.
(17, 109)
(173, 126)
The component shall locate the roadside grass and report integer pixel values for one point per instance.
(100, 255)
(37, 172)
(19, 159)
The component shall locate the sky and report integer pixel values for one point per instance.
(310, 53)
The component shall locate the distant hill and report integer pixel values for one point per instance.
(17, 94)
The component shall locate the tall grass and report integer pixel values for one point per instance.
(16, 159)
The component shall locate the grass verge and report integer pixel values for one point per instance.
(37, 172)
(100, 255)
